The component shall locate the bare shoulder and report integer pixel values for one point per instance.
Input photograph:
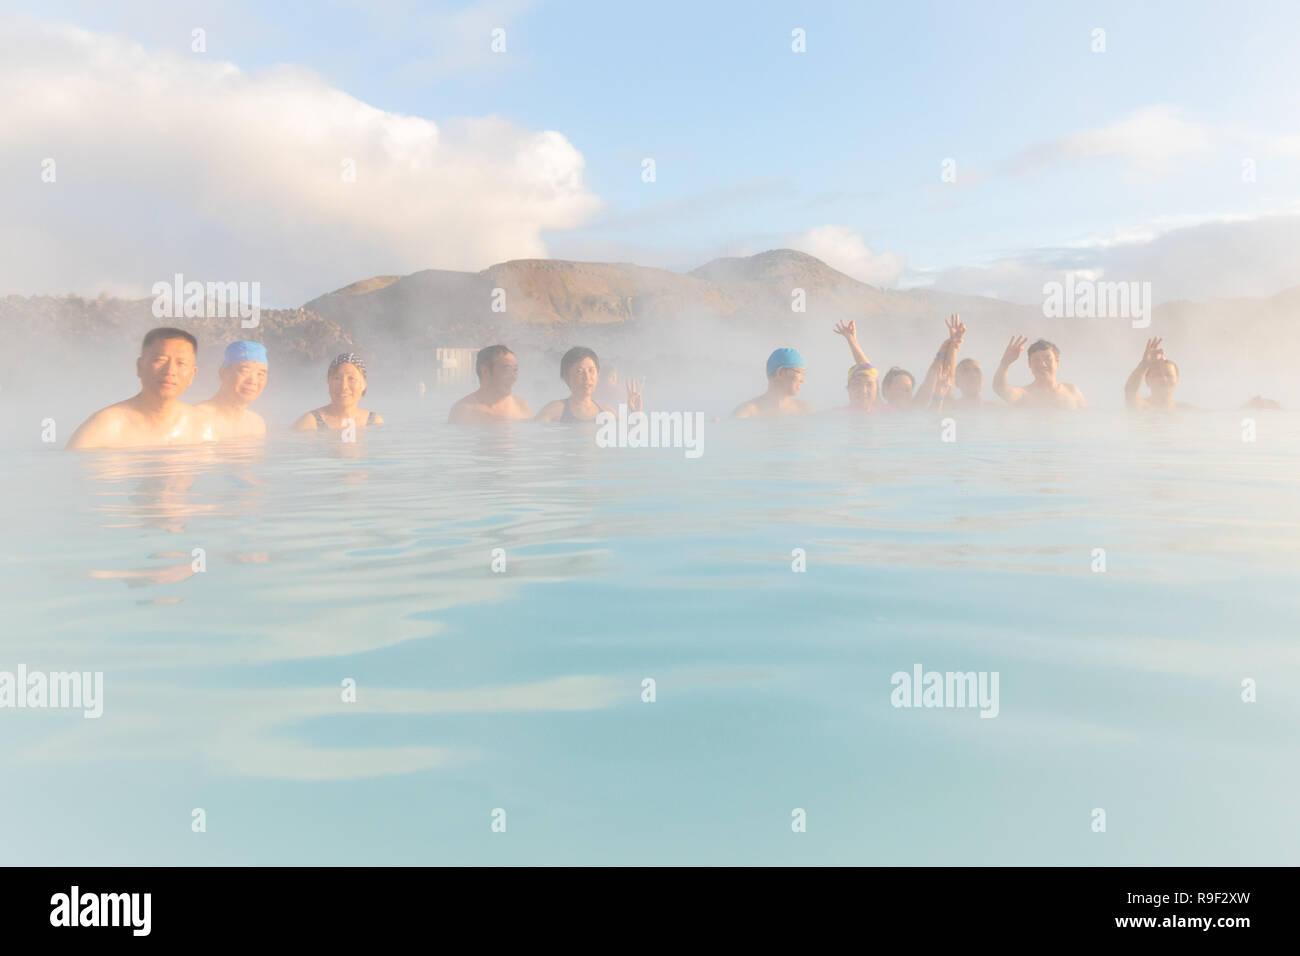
(464, 412)
(551, 411)
(102, 427)
(376, 420)
(306, 423)
(1076, 394)
(803, 407)
(745, 410)
(522, 408)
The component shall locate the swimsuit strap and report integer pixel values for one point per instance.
(320, 422)
(568, 415)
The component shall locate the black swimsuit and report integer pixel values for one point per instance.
(320, 421)
(568, 415)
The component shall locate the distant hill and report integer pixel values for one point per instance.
(723, 313)
(544, 299)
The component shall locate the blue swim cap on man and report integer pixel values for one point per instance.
(783, 358)
(244, 352)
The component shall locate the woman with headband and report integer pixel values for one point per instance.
(347, 384)
(862, 384)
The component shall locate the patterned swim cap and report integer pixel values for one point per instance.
(347, 358)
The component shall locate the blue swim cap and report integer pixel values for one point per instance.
(244, 352)
(783, 358)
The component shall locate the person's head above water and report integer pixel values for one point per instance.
(862, 385)
(1044, 359)
(785, 369)
(167, 363)
(496, 368)
(897, 387)
(969, 378)
(243, 372)
(783, 358)
(1162, 377)
(244, 351)
(580, 370)
(347, 379)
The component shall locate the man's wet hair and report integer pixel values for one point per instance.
(483, 361)
(573, 357)
(155, 335)
(894, 373)
(1044, 344)
(968, 363)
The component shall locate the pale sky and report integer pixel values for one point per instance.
(1172, 156)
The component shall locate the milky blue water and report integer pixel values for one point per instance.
(522, 690)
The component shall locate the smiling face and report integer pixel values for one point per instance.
(347, 385)
(1044, 362)
(582, 377)
(166, 368)
(244, 380)
(502, 374)
(862, 392)
(788, 381)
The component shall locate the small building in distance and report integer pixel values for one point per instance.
(453, 367)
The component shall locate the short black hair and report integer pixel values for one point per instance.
(1043, 344)
(153, 335)
(893, 373)
(485, 357)
(573, 357)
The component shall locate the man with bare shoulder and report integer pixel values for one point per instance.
(784, 379)
(495, 400)
(156, 415)
(1044, 391)
(243, 376)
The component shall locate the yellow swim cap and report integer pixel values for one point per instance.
(862, 368)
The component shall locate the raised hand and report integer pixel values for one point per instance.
(1014, 348)
(1154, 352)
(633, 395)
(947, 377)
(847, 329)
(956, 330)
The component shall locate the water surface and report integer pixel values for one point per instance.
(522, 690)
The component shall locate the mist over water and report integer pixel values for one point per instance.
(694, 364)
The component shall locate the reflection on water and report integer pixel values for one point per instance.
(498, 596)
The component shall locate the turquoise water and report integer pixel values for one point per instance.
(522, 690)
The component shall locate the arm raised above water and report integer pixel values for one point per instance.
(1011, 394)
(1133, 386)
(850, 332)
(939, 378)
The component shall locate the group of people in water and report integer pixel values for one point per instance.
(168, 362)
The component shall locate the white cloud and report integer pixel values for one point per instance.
(842, 248)
(1186, 257)
(169, 163)
(1149, 139)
